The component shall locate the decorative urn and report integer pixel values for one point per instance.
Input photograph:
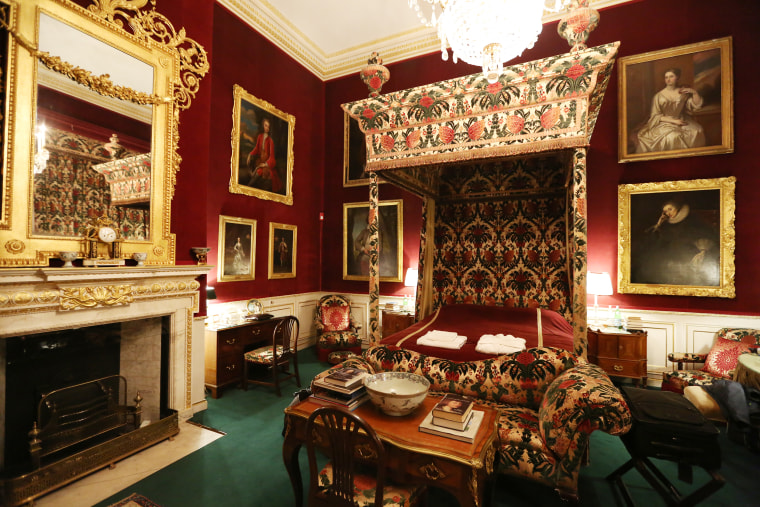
(375, 74)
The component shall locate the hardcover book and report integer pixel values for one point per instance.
(346, 376)
(321, 385)
(453, 407)
(465, 435)
(454, 425)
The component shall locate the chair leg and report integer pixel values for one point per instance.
(244, 382)
(295, 368)
(276, 378)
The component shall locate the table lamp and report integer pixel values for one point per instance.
(410, 280)
(598, 284)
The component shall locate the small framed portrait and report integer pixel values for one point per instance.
(282, 250)
(677, 238)
(676, 102)
(262, 149)
(356, 240)
(354, 154)
(237, 249)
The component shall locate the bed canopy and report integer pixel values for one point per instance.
(501, 169)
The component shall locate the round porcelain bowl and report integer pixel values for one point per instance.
(396, 393)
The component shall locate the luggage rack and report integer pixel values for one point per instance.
(667, 426)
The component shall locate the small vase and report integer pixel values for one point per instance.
(67, 257)
(200, 253)
(140, 258)
(375, 74)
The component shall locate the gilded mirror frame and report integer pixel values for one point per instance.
(178, 65)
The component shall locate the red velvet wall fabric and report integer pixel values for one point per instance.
(642, 26)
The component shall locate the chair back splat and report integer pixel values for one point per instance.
(275, 357)
(357, 457)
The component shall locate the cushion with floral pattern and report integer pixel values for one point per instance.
(336, 318)
(721, 359)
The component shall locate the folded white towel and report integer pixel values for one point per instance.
(499, 344)
(441, 336)
(498, 349)
(502, 339)
(457, 343)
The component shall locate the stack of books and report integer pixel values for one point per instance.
(343, 387)
(453, 417)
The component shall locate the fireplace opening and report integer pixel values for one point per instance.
(89, 375)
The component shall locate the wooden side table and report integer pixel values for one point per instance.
(619, 353)
(395, 321)
(748, 370)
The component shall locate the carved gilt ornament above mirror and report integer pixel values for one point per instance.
(63, 105)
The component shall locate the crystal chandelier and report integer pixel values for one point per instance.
(486, 32)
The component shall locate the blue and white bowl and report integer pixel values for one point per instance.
(395, 392)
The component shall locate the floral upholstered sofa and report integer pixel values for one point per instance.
(550, 401)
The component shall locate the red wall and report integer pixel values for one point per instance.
(243, 57)
(642, 26)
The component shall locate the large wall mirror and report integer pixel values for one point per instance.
(95, 134)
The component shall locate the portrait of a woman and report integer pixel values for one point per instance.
(671, 125)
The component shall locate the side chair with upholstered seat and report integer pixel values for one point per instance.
(276, 357)
(356, 471)
(337, 330)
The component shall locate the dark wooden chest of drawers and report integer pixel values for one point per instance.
(225, 348)
(619, 354)
(394, 322)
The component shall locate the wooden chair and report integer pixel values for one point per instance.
(356, 472)
(276, 357)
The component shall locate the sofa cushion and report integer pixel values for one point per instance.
(721, 359)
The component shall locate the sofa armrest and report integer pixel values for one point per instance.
(578, 402)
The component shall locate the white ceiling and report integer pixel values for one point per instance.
(334, 38)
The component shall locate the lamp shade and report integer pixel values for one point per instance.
(410, 280)
(599, 284)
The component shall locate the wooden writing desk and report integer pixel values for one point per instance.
(414, 457)
(224, 350)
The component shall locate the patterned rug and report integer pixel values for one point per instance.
(135, 500)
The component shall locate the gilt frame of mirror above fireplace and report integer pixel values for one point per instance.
(58, 137)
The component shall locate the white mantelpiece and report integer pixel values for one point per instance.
(37, 300)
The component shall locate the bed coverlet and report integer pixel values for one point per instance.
(473, 321)
(550, 401)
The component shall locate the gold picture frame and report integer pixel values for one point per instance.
(237, 249)
(354, 154)
(677, 238)
(283, 241)
(271, 176)
(692, 84)
(391, 231)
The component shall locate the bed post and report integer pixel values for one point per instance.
(579, 250)
(374, 263)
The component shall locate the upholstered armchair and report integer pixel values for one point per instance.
(337, 332)
(718, 363)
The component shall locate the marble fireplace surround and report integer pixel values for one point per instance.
(50, 299)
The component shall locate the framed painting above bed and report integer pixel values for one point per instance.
(677, 238)
(676, 102)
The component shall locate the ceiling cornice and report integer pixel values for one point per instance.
(263, 17)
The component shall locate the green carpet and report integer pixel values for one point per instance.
(245, 467)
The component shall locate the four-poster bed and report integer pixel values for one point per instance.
(501, 169)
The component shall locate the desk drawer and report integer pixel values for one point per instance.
(623, 367)
(229, 368)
